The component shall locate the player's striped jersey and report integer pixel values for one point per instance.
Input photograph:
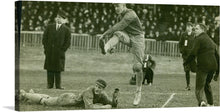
(129, 22)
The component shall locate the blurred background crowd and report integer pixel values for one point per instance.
(160, 22)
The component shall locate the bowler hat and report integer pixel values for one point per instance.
(189, 24)
(61, 13)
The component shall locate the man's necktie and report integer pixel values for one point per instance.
(58, 26)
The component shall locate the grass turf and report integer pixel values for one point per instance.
(83, 68)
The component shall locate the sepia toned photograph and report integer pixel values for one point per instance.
(93, 55)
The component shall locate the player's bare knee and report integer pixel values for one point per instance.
(137, 67)
(117, 33)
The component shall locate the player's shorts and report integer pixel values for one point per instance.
(137, 44)
(49, 101)
(65, 99)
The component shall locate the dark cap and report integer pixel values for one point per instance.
(147, 57)
(189, 24)
(101, 83)
(61, 13)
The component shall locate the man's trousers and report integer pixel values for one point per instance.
(203, 80)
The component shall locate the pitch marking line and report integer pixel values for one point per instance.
(171, 97)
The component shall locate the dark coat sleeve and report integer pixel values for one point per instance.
(193, 52)
(217, 59)
(181, 43)
(45, 37)
(196, 47)
(67, 39)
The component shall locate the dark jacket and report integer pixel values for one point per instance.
(205, 50)
(216, 38)
(148, 62)
(55, 43)
(186, 44)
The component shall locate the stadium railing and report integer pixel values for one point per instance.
(90, 43)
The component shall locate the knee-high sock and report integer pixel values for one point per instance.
(111, 43)
(139, 80)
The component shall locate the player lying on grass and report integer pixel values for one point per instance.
(94, 97)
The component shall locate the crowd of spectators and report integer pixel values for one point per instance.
(160, 22)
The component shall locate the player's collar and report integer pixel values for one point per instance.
(124, 11)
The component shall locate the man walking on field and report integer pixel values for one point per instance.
(128, 31)
(206, 53)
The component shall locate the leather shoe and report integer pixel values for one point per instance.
(60, 88)
(49, 87)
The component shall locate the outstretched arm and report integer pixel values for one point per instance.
(100, 106)
(45, 38)
(88, 98)
(89, 104)
(181, 43)
(106, 102)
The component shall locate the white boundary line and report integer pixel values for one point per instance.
(171, 97)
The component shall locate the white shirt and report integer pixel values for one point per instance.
(58, 26)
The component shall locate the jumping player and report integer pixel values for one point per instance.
(93, 97)
(128, 31)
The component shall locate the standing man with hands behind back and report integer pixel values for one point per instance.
(56, 41)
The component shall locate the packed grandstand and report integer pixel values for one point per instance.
(160, 22)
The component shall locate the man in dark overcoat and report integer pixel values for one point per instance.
(205, 51)
(56, 41)
(185, 45)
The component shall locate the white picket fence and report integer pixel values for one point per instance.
(90, 43)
